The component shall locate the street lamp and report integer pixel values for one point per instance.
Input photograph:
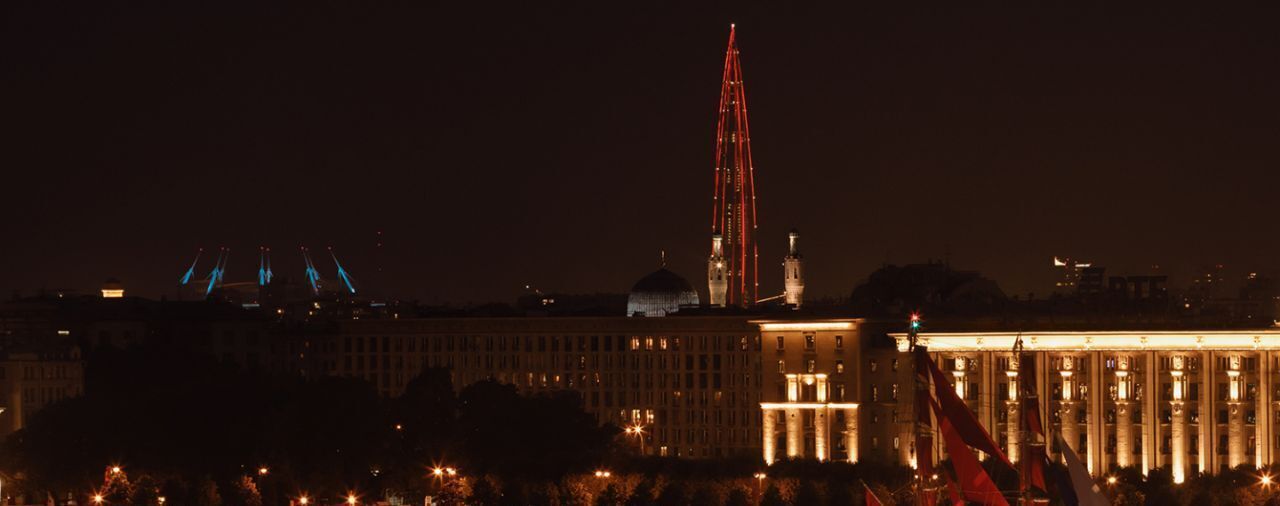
(262, 471)
(603, 474)
(638, 432)
(1265, 481)
(160, 499)
(116, 470)
(1111, 480)
(351, 498)
(760, 476)
(304, 501)
(97, 498)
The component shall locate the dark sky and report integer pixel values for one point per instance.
(565, 144)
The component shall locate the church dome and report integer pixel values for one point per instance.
(660, 293)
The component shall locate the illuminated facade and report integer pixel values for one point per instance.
(1191, 401)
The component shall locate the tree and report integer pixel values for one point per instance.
(706, 495)
(245, 492)
(739, 497)
(611, 496)
(452, 493)
(674, 494)
(642, 495)
(542, 437)
(772, 497)
(483, 493)
(808, 494)
(206, 492)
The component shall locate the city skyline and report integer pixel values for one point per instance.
(486, 148)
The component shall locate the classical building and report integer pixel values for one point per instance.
(1194, 401)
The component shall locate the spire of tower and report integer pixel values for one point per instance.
(734, 199)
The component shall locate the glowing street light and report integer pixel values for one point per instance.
(263, 471)
(438, 472)
(450, 471)
(351, 498)
(116, 470)
(603, 474)
(97, 498)
(1265, 481)
(304, 500)
(160, 499)
(1111, 480)
(638, 432)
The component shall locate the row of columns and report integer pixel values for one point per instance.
(1126, 403)
(793, 411)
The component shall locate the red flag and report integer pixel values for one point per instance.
(870, 497)
(964, 423)
(975, 484)
(1033, 465)
(1030, 399)
(956, 500)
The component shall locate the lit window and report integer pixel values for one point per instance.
(810, 365)
(839, 366)
(808, 342)
(872, 365)
(839, 342)
(782, 366)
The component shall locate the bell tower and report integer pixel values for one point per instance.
(793, 271)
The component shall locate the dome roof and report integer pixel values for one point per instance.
(660, 293)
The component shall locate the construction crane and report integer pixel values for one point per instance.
(191, 271)
(264, 266)
(342, 273)
(219, 270)
(313, 275)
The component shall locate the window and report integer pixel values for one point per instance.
(839, 366)
(780, 341)
(839, 342)
(872, 365)
(782, 366)
(810, 365)
(808, 342)
(895, 364)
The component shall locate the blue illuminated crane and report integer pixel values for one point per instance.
(313, 275)
(191, 271)
(264, 266)
(342, 273)
(219, 270)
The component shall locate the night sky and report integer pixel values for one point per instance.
(564, 145)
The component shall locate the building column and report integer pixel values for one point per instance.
(1208, 419)
(795, 434)
(851, 433)
(1235, 412)
(1150, 415)
(1011, 425)
(769, 432)
(1124, 414)
(1097, 435)
(820, 433)
(1178, 424)
(1067, 412)
(1266, 415)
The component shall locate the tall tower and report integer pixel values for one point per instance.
(793, 272)
(716, 269)
(734, 205)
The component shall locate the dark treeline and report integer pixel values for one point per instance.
(188, 423)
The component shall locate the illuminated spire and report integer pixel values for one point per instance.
(734, 204)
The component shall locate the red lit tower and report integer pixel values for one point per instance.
(732, 270)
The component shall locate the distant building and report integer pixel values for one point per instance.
(1069, 274)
